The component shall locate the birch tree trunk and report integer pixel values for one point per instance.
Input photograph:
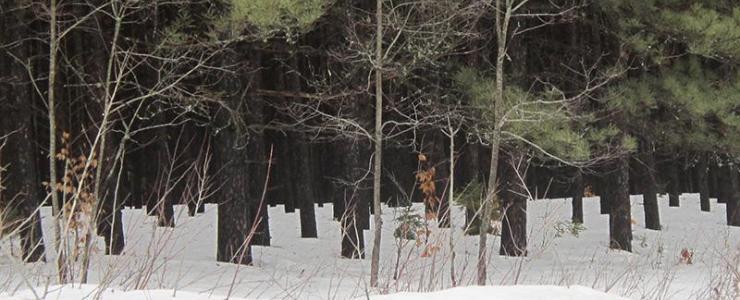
(502, 25)
(51, 102)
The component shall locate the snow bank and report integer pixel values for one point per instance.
(518, 292)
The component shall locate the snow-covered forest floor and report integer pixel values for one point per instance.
(181, 261)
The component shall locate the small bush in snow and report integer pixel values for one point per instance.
(563, 227)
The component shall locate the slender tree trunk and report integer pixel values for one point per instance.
(486, 208)
(604, 193)
(51, 103)
(450, 200)
(286, 188)
(302, 182)
(713, 179)
(110, 222)
(257, 151)
(674, 191)
(258, 204)
(443, 208)
(104, 210)
(577, 194)
(21, 197)
(703, 181)
(353, 240)
(472, 217)
(514, 209)
(620, 217)
(332, 157)
(502, 28)
(729, 193)
(377, 164)
(650, 188)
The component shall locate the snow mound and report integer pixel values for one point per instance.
(518, 292)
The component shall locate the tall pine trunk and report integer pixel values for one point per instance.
(303, 185)
(378, 143)
(649, 187)
(729, 193)
(577, 197)
(21, 198)
(702, 177)
(353, 239)
(674, 191)
(258, 153)
(620, 214)
(472, 162)
(444, 176)
(604, 193)
(514, 208)
(234, 215)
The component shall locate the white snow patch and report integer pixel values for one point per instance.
(519, 292)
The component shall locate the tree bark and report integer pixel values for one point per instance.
(502, 29)
(20, 195)
(649, 188)
(703, 181)
(577, 197)
(444, 178)
(620, 217)
(729, 193)
(472, 161)
(302, 182)
(674, 191)
(234, 215)
(353, 240)
(604, 194)
(713, 180)
(332, 158)
(378, 153)
(514, 209)
(163, 207)
(258, 153)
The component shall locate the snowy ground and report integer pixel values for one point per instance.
(181, 261)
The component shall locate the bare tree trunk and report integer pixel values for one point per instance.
(257, 149)
(472, 217)
(378, 157)
(20, 194)
(649, 188)
(703, 177)
(450, 200)
(486, 208)
(713, 179)
(443, 207)
(620, 214)
(51, 102)
(234, 222)
(353, 240)
(674, 191)
(604, 195)
(302, 182)
(502, 27)
(514, 208)
(577, 200)
(729, 193)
